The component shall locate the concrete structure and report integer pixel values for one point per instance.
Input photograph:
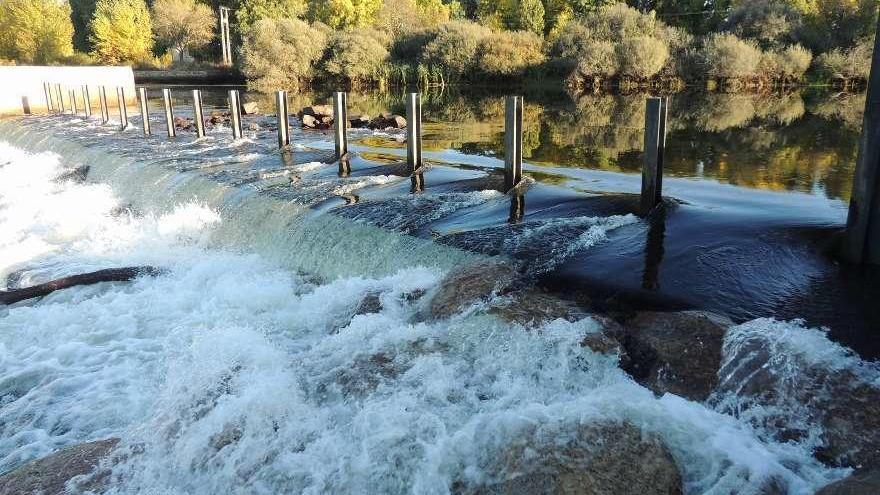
(27, 80)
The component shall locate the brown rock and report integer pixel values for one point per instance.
(533, 308)
(603, 459)
(675, 352)
(359, 121)
(250, 108)
(467, 285)
(397, 122)
(317, 111)
(309, 121)
(47, 476)
(859, 483)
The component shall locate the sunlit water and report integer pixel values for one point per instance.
(245, 365)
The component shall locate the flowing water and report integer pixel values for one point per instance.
(247, 366)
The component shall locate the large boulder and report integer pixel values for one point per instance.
(309, 121)
(467, 285)
(317, 111)
(602, 459)
(48, 475)
(533, 308)
(250, 108)
(674, 352)
(796, 388)
(359, 121)
(859, 483)
(388, 121)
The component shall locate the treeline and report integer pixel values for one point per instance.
(589, 43)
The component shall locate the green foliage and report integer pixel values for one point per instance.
(455, 46)
(81, 14)
(596, 59)
(250, 12)
(35, 31)
(122, 32)
(183, 24)
(509, 53)
(789, 63)
(727, 56)
(345, 13)
(402, 17)
(355, 56)
(526, 15)
(854, 63)
(641, 57)
(771, 24)
(281, 54)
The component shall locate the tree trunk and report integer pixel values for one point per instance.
(109, 275)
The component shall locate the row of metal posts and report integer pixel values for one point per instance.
(654, 145)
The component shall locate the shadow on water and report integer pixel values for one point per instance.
(756, 189)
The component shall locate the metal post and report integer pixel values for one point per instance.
(340, 123)
(655, 143)
(235, 109)
(48, 90)
(123, 111)
(60, 98)
(198, 113)
(25, 105)
(413, 131)
(283, 114)
(862, 239)
(169, 112)
(72, 94)
(145, 111)
(513, 122)
(87, 101)
(102, 101)
(225, 40)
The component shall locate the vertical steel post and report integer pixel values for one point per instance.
(87, 101)
(25, 105)
(123, 111)
(102, 101)
(169, 112)
(283, 114)
(862, 239)
(145, 111)
(72, 97)
(413, 131)
(655, 142)
(60, 98)
(48, 91)
(340, 123)
(225, 39)
(513, 123)
(198, 113)
(235, 109)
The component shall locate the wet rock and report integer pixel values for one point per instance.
(220, 118)
(253, 126)
(386, 121)
(184, 123)
(859, 483)
(250, 108)
(47, 476)
(371, 303)
(602, 343)
(467, 285)
(795, 395)
(77, 175)
(533, 308)
(309, 121)
(675, 352)
(317, 111)
(359, 121)
(604, 459)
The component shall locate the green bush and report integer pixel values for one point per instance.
(509, 53)
(281, 54)
(854, 63)
(641, 57)
(249, 12)
(597, 59)
(355, 57)
(728, 57)
(770, 23)
(35, 31)
(455, 47)
(122, 32)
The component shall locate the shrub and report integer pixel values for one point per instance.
(727, 56)
(597, 58)
(509, 53)
(403, 17)
(35, 31)
(281, 54)
(345, 13)
(854, 63)
(122, 32)
(455, 47)
(250, 12)
(183, 24)
(794, 61)
(641, 57)
(770, 23)
(355, 56)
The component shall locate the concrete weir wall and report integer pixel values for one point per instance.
(27, 81)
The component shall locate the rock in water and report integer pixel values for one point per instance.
(317, 111)
(467, 285)
(604, 459)
(359, 121)
(859, 483)
(250, 108)
(47, 476)
(677, 352)
(309, 121)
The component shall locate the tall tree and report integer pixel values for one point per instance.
(251, 11)
(122, 31)
(183, 24)
(35, 31)
(345, 13)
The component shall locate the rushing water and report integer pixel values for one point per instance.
(246, 363)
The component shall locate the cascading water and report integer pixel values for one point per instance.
(248, 362)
